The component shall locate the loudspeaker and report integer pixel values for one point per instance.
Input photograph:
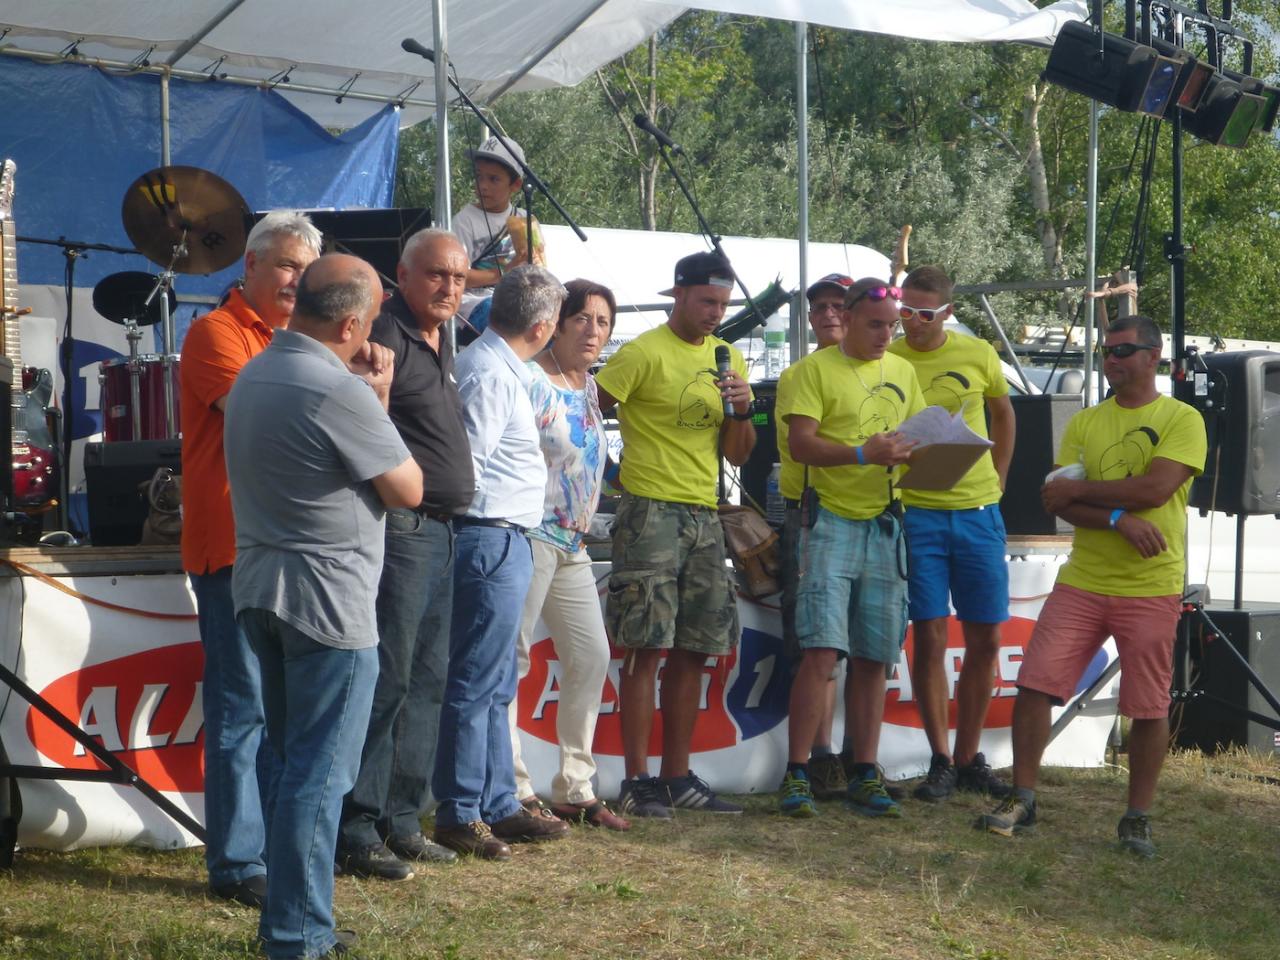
(1208, 725)
(754, 474)
(1040, 419)
(1242, 471)
(113, 473)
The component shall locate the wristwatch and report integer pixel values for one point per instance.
(751, 412)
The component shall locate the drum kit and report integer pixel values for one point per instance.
(186, 221)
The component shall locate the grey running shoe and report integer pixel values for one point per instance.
(691, 792)
(826, 774)
(940, 783)
(977, 777)
(644, 797)
(1135, 836)
(1014, 815)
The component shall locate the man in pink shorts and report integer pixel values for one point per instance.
(1124, 579)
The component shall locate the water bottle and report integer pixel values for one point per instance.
(775, 353)
(774, 506)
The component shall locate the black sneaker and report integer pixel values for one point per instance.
(416, 846)
(644, 797)
(691, 792)
(940, 783)
(375, 862)
(1135, 836)
(251, 891)
(1014, 815)
(977, 777)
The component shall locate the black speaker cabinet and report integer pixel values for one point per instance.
(1242, 472)
(1209, 725)
(113, 473)
(754, 474)
(1041, 420)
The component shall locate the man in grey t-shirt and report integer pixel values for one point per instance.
(313, 461)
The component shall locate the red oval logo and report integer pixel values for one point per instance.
(145, 708)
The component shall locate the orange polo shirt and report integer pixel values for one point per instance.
(216, 347)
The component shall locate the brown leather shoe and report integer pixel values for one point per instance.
(524, 826)
(473, 839)
(593, 813)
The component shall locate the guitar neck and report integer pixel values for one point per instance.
(11, 334)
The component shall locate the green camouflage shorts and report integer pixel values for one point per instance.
(670, 585)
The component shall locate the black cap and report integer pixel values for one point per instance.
(699, 269)
(832, 281)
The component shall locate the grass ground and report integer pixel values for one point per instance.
(758, 886)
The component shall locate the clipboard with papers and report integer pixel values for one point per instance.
(946, 449)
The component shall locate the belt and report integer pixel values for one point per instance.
(464, 521)
(439, 516)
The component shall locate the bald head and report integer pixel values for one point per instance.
(432, 276)
(336, 287)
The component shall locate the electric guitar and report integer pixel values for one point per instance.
(901, 262)
(35, 466)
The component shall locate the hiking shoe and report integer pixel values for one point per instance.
(869, 798)
(1014, 815)
(827, 778)
(644, 797)
(894, 791)
(977, 777)
(940, 783)
(691, 792)
(374, 862)
(1135, 836)
(797, 796)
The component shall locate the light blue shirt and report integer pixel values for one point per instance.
(511, 474)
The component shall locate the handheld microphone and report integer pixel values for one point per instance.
(410, 45)
(647, 126)
(722, 367)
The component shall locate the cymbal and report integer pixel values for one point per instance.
(121, 296)
(172, 205)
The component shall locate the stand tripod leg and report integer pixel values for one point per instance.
(1084, 701)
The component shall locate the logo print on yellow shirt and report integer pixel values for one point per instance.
(696, 399)
(942, 390)
(1130, 455)
(880, 412)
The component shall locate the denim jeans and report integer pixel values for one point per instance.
(317, 700)
(474, 777)
(237, 759)
(415, 597)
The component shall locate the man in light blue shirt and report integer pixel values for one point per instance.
(474, 778)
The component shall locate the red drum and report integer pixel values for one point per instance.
(117, 379)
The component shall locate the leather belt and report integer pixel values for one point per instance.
(465, 521)
(439, 516)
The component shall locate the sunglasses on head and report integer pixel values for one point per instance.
(924, 313)
(1124, 350)
(875, 295)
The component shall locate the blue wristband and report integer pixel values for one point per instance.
(862, 457)
(1115, 516)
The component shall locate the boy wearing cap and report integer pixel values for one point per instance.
(956, 538)
(484, 226)
(670, 592)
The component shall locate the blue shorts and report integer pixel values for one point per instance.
(961, 552)
(850, 592)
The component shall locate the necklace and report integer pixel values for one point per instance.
(567, 382)
(868, 390)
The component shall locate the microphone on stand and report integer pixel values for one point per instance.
(647, 126)
(722, 367)
(410, 45)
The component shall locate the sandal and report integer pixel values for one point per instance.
(592, 814)
(536, 807)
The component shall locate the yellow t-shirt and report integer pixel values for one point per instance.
(851, 400)
(670, 411)
(959, 375)
(791, 479)
(1115, 442)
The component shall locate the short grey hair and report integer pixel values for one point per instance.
(283, 223)
(1147, 329)
(527, 295)
(335, 300)
(425, 236)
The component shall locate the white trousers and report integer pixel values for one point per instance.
(563, 591)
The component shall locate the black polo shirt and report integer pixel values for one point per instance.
(426, 409)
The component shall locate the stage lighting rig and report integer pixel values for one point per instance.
(1113, 69)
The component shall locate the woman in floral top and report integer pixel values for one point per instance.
(563, 590)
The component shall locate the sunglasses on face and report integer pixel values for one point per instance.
(926, 314)
(875, 295)
(1124, 351)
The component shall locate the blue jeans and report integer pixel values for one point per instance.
(237, 758)
(415, 597)
(317, 701)
(474, 777)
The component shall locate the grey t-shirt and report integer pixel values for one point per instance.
(304, 436)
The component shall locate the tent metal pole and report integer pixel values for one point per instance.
(799, 327)
(164, 119)
(188, 44)
(1091, 248)
(443, 214)
(545, 52)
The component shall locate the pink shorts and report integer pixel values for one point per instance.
(1075, 623)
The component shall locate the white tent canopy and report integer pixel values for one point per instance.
(330, 47)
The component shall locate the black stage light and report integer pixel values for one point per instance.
(1267, 119)
(1122, 73)
(1189, 81)
(1227, 114)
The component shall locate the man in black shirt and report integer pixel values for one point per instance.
(381, 835)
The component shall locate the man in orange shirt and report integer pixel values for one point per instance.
(279, 248)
